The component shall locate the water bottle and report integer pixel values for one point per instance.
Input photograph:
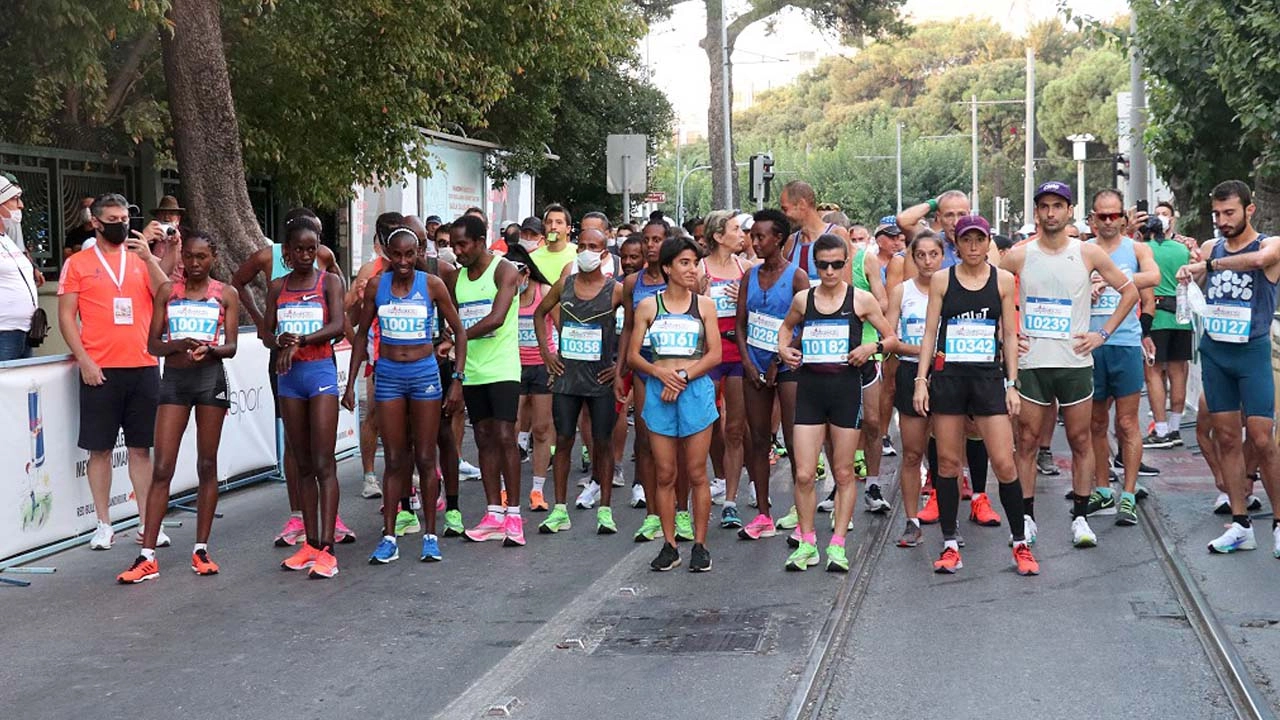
(1183, 312)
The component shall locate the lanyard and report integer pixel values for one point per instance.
(119, 281)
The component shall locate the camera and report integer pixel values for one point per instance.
(169, 229)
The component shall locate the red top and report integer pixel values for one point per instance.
(303, 312)
(529, 354)
(727, 323)
(114, 321)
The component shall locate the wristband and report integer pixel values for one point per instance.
(879, 348)
(1010, 384)
(1208, 265)
(1105, 335)
(933, 205)
(1145, 320)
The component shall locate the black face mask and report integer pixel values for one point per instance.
(115, 233)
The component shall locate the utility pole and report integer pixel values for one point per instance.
(1029, 161)
(899, 167)
(973, 123)
(1137, 118)
(726, 200)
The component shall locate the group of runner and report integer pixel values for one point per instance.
(782, 322)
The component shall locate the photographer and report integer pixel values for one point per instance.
(163, 236)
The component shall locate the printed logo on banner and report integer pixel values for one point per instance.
(119, 459)
(37, 497)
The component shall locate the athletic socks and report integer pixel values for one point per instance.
(523, 440)
(976, 453)
(837, 540)
(730, 504)
(513, 511)
(494, 510)
(1029, 507)
(1162, 428)
(148, 553)
(450, 502)
(1079, 505)
(406, 504)
(948, 491)
(1175, 421)
(914, 521)
(1011, 501)
(199, 547)
(538, 482)
(1243, 520)
(295, 513)
(811, 538)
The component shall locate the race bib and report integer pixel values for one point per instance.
(1106, 303)
(404, 321)
(762, 331)
(1047, 318)
(971, 340)
(912, 331)
(473, 312)
(726, 303)
(1228, 322)
(675, 335)
(194, 319)
(825, 341)
(581, 342)
(122, 311)
(528, 338)
(299, 318)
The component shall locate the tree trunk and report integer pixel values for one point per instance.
(1266, 195)
(206, 133)
(724, 197)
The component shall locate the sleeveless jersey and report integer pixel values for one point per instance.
(677, 336)
(828, 338)
(404, 320)
(911, 317)
(303, 312)
(588, 341)
(1238, 305)
(726, 310)
(1054, 290)
(766, 310)
(528, 339)
(969, 326)
(640, 291)
(1129, 333)
(1169, 256)
(202, 320)
(494, 357)
(801, 253)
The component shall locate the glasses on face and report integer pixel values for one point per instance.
(1108, 217)
(829, 264)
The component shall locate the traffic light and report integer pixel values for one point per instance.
(1121, 168)
(761, 176)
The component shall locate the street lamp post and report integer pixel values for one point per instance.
(680, 191)
(1080, 151)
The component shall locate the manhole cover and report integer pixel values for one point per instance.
(1152, 609)
(698, 631)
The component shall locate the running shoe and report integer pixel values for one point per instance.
(874, 501)
(514, 526)
(755, 501)
(586, 459)
(325, 566)
(1176, 437)
(928, 515)
(699, 559)
(717, 491)
(1222, 506)
(649, 529)
(1235, 538)
(141, 570)
(537, 503)
(668, 558)
(503, 499)
(822, 468)
(1128, 512)
(911, 536)
(588, 497)
(1082, 536)
(491, 527)
(467, 471)
(761, 526)
(304, 558)
(372, 488)
(684, 525)
(1101, 503)
(637, 496)
(430, 549)
(788, 521)
(860, 464)
(1144, 470)
(886, 447)
(1155, 441)
(1253, 502)
(201, 564)
(407, 523)
(837, 561)
(342, 534)
(1029, 529)
(604, 521)
(966, 490)
(773, 457)
(948, 562)
(103, 537)
(832, 517)
(558, 520)
(1045, 464)
(804, 557)
(980, 511)
(1024, 561)
(292, 534)
(453, 523)
(585, 480)
(386, 552)
(619, 480)
(779, 447)
(828, 505)
(729, 518)
(1275, 537)
(1141, 492)
(794, 539)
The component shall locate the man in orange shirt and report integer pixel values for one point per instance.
(108, 289)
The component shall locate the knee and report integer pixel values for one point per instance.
(425, 460)
(843, 475)
(948, 467)
(911, 458)
(206, 468)
(1260, 442)
(1127, 427)
(1080, 439)
(1004, 468)
(804, 478)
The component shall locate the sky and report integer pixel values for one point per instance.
(762, 60)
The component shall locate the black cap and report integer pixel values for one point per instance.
(534, 225)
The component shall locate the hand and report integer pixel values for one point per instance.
(555, 366)
(200, 353)
(285, 360)
(752, 374)
(38, 276)
(1088, 342)
(152, 233)
(1191, 272)
(620, 391)
(443, 348)
(138, 245)
(285, 340)
(771, 377)
(1013, 402)
(1149, 350)
(860, 354)
(920, 398)
(185, 345)
(791, 356)
(453, 401)
(669, 395)
(91, 374)
(670, 379)
(605, 376)
(1136, 220)
(1098, 286)
(1024, 344)
(349, 398)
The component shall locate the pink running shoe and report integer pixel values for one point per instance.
(760, 527)
(491, 527)
(440, 504)
(514, 526)
(292, 534)
(342, 533)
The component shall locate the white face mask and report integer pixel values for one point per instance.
(588, 261)
(529, 245)
(446, 255)
(1165, 222)
(16, 216)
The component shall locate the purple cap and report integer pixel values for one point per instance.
(973, 222)
(1053, 187)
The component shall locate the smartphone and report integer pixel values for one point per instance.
(1142, 206)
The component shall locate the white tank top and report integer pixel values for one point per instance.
(1054, 290)
(911, 319)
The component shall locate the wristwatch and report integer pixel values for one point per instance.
(1105, 335)
(683, 374)
(460, 376)
(1009, 384)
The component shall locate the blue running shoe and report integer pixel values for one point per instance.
(430, 549)
(386, 552)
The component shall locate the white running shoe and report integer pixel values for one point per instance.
(1275, 535)
(755, 501)
(467, 471)
(619, 480)
(717, 491)
(1235, 538)
(162, 540)
(102, 537)
(886, 447)
(828, 505)
(372, 488)
(1253, 502)
(1082, 535)
(587, 498)
(874, 501)
(1222, 506)
(637, 496)
(1030, 529)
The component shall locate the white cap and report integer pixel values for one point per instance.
(8, 190)
(1027, 230)
(744, 221)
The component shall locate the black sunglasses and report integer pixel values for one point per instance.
(829, 264)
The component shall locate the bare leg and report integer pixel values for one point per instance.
(1078, 420)
(695, 460)
(844, 442)
(915, 434)
(804, 458)
(735, 436)
(1129, 438)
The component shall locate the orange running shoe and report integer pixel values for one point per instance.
(537, 503)
(980, 511)
(966, 490)
(325, 566)
(142, 570)
(301, 560)
(202, 565)
(1024, 560)
(929, 515)
(948, 562)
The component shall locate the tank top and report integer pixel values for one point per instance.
(949, 256)
(528, 339)
(969, 326)
(825, 340)
(677, 336)
(1129, 333)
(303, 312)
(494, 357)
(588, 341)
(1169, 256)
(201, 320)
(860, 281)
(1054, 293)
(801, 252)
(912, 316)
(640, 292)
(1238, 305)
(726, 310)
(766, 310)
(404, 320)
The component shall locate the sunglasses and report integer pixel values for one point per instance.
(829, 264)
(1108, 217)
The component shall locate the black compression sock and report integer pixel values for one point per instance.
(1029, 507)
(932, 454)
(450, 502)
(1011, 500)
(1079, 506)
(406, 504)
(976, 453)
(1243, 520)
(948, 491)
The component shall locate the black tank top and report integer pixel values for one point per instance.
(817, 340)
(588, 342)
(969, 326)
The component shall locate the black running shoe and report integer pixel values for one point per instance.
(669, 558)
(699, 559)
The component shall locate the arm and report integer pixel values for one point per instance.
(868, 308)
(326, 261)
(1009, 328)
(332, 329)
(894, 318)
(1148, 275)
(1267, 257)
(230, 330)
(356, 292)
(444, 305)
(244, 275)
(155, 274)
(752, 373)
(909, 219)
(551, 299)
(896, 273)
(642, 316)
(505, 278)
(156, 344)
(628, 319)
(871, 267)
(1096, 259)
(786, 332)
(90, 373)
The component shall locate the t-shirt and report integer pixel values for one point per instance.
(17, 286)
(109, 344)
(1169, 256)
(552, 262)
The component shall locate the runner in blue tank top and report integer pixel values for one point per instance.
(800, 205)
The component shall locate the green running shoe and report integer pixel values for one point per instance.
(788, 521)
(556, 521)
(684, 525)
(1101, 502)
(804, 557)
(860, 464)
(649, 529)
(406, 523)
(586, 459)
(822, 467)
(1128, 513)
(604, 521)
(453, 523)
(837, 561)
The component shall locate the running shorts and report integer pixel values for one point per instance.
(1117, 371)
(199, 385)
(976, 395)
(692, 412)
(534, 380)
(310, 378)
(834, 398)
(492, 401)
(565, 410)
(1238, 376)
(415, 380)
(1042, 386)
(1172, 345)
